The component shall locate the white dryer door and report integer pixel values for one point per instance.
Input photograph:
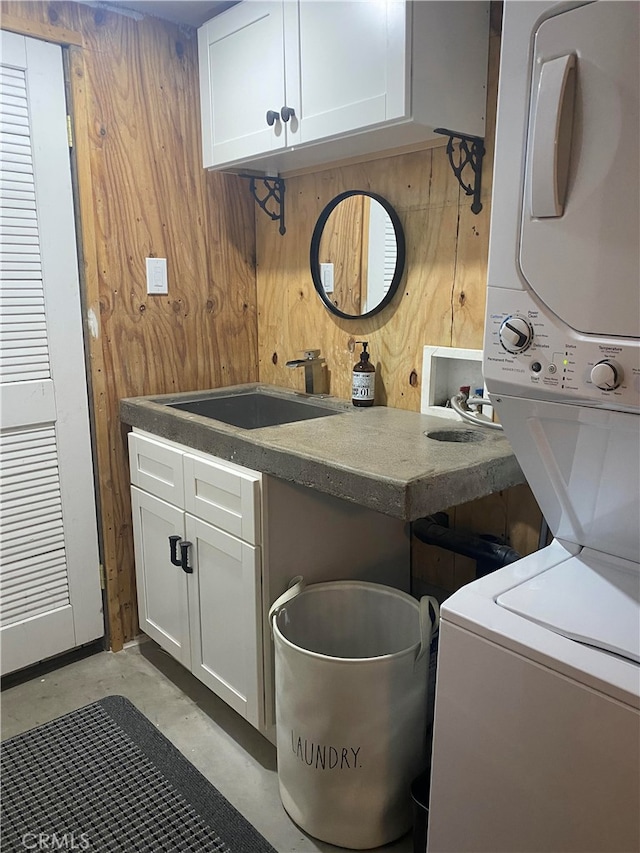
(580, 224)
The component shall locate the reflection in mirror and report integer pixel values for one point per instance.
(357, 254)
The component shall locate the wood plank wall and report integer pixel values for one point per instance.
(143, 193)
(441, 302)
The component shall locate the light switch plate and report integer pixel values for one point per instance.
(326, 277)
(157, 276)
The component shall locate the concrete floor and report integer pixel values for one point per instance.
(224, 747)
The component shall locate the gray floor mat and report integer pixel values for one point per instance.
(102, 778)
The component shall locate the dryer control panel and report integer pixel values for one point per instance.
(530, 353)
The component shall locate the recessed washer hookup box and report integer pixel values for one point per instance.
(444, 371)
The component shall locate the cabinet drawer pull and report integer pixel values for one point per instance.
(272, 117)
(173, 550)
(287, 113)
(183, 560)
(184, 557)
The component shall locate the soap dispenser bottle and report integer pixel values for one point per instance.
(364, 379)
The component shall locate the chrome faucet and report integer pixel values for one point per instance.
(313, 370)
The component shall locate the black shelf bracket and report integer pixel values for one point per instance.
(470, 153)
(270, 196)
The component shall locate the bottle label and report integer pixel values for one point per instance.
(363, 387)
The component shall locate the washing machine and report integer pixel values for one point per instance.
(537, 714)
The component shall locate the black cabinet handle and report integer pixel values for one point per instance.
(183, 560)
(272, 117)
(287, 113)
(184, 557)
(173, 550)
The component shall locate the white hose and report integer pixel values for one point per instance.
(473, 417)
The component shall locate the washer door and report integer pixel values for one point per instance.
(592, 598)
(579, 239)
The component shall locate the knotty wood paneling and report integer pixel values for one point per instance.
(440, 302)
(142, 193)
(441, 297)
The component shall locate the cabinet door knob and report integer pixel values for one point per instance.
(173, 550)
(287, 113)
(272, 117)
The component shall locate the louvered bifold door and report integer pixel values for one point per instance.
(50, 598)
(34, 569)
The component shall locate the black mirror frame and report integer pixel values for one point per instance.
(315, 250)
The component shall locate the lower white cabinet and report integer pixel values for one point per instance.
(205, 611)
(244, 535)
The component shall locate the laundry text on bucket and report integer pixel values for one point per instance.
(324, 757)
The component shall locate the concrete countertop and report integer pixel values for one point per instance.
(377, 457)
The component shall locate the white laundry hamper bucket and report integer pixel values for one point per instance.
(351, 666)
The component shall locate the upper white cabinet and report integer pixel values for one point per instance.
(287, 84)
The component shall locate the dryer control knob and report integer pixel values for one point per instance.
(515, 334)
(607, 375)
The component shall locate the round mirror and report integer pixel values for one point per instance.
(357, 254)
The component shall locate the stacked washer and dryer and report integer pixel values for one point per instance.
(537, 719)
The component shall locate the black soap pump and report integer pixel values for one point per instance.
(364, 379)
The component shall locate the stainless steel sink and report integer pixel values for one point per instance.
(256, 409)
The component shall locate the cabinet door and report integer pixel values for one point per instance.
(242, 78)
(162, 587)
(354, 58)
(225, 617)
